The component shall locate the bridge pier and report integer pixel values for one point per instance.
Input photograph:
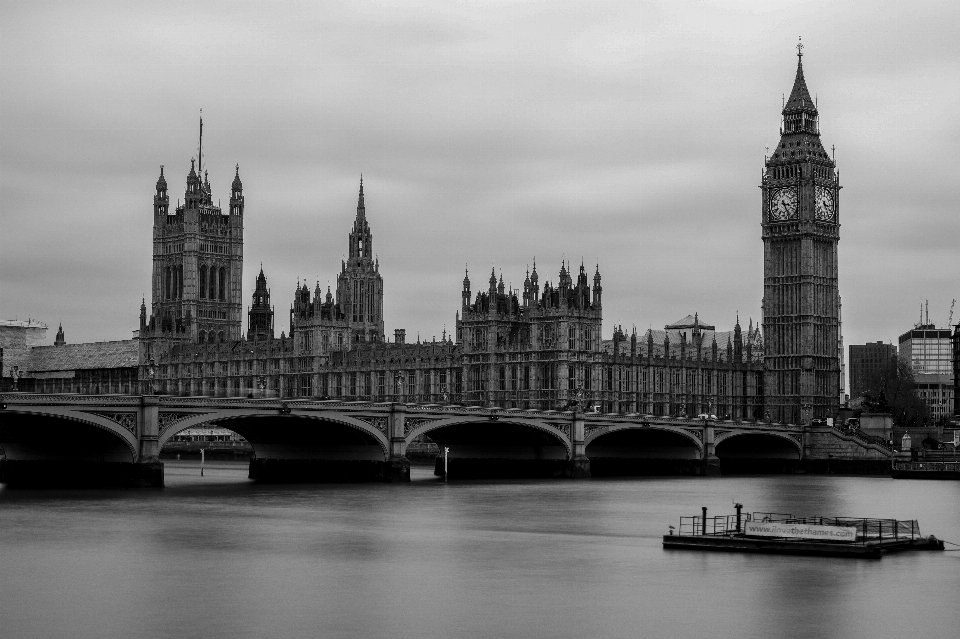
(397, 466)
(711, 463)
(149, 468)
(579, 465)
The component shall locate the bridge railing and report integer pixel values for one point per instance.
(718, 525)
(867, 528)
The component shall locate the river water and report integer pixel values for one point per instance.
(219, 556)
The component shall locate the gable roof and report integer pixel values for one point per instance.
(119, 354)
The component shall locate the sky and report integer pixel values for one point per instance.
(626, 134)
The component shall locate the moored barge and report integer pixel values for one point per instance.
(925, 470)
(784, 534)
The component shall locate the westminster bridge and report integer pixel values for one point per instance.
(116, 439)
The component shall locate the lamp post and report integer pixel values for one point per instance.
(398, 385)
(262, 385)
(16, 373)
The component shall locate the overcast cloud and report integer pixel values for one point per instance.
(630, 134)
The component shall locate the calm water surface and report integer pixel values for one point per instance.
(218, 556)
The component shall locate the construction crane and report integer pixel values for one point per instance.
(950, 321)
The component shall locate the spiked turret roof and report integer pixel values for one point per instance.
(800, 100)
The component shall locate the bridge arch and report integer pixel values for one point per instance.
(428, 426)
(498, 446)
(236, 420)
(46, 434)
(607, 430)
(644, 449)
(758, 452)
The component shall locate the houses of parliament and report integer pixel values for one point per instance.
(541, 347)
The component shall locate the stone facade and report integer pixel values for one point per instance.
(539, 348)
(197, 265)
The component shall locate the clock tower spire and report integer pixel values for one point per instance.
(800, 229)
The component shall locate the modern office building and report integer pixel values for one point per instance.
(956, 371)
(929, 350)
(868, 362)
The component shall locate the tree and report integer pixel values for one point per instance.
(893, 389)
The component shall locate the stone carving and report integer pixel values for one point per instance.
(126, 420)
(696, 433)
(166, 420)
(591, 428)
(410, 424)
(563, 428)
(380, 423)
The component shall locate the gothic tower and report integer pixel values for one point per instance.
(260, 313)
(197, 263)
(801, 301)
(359, 285)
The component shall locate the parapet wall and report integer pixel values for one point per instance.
(829, 443)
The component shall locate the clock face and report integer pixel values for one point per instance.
(824, 204)
(783, 204)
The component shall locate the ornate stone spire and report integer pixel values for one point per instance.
(800, 100)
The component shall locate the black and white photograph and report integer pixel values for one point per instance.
(475, 319)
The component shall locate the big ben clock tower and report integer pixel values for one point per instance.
(801, 299)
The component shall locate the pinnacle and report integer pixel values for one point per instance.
(800, 99)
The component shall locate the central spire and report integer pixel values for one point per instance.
(800, 100)
(361, 211)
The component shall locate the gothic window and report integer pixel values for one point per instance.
(201, 336)
(203, 281)
(572, 338)
(223, 284)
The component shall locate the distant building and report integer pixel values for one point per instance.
(17, 337)
(928, 349)
(867, 363)
(956, 371)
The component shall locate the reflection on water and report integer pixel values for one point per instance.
(218, 556)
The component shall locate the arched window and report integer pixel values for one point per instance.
(201, 336)
(180, 282)
(212, 283)
(203, 281)
(166, 283)
(223, 284)
(222, 337)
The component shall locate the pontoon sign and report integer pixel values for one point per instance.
(800, 531)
